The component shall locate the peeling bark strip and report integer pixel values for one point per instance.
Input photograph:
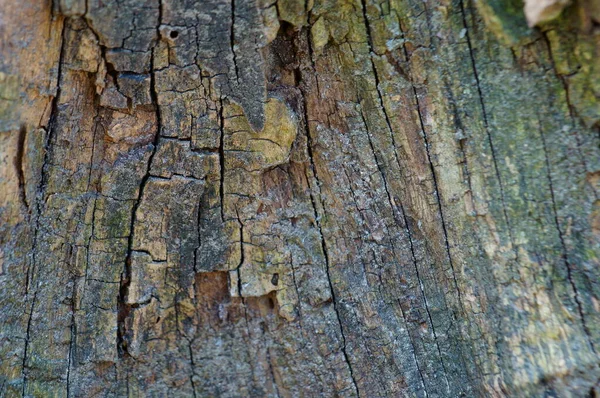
(287, 198)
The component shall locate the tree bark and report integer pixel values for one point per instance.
(287, 198)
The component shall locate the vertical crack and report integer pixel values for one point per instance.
(193, 365)
(40, 192)
(377, 81)
(232, 41)
(572, 111)
(25, 370)
(412, 343)
(199, 240)
(572, 114)
(19, 166)
(222, 158)
(437, 194)
(239, 267)
(414, 260)
(321, 236)
(72, 344)
(487, 130)
(422, 125)
(93, 149)
(564, 254)
(328, 272)
(124, 309)
(89, 244)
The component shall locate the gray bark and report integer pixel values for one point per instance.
(279, 198)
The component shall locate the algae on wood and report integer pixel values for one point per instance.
(285, 198)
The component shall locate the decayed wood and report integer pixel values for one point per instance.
(285, 198)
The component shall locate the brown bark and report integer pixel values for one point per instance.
(256, 198)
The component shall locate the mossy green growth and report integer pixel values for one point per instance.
(506, 19)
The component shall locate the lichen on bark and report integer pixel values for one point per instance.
(287, 198)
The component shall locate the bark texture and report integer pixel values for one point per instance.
(287, 198)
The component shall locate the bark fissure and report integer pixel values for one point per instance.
(572, 110)
(414, 353)
(437, 192)
(44, 169)
(324, 246)
(377, 80)
(19, 167)
(433, 173)
(89, 244)
(564, 252)
(232, 42)
(242, 257)
(193, 366)
(30, 273)
(95, 128)
(414, 259)
(124, 308)
(271, 371)
(221, 159)
(24, 371)
(415, 262)
(488, 132)
(72, 344)
(389, 125)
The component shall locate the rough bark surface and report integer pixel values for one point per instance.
(288, 198)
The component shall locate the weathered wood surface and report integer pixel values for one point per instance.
(279, 198)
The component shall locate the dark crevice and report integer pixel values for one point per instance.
(376, 76)
(88, 245)
(415, 262)
(39, 206)
(239, 267)
(72, 340)
(232, 42)
(433, 171)
(437, 192)
(19, 166)
(572, 110)
(193, 365)
(295, 282)
(564, 254)
(439, 205)
(412, 342)
(46, 163)
(414, 259)
(96, 124)
(24, 371)
(222, 159)
(199, 240)
(271, 371)
(490, 142)
(110, 68)
(461, 140)
(487, 130)
(310, 154)
(328, 273)
(124, 309)
(422, 125)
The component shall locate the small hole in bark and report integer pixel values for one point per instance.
(271, 303)
(157, 319)
(174, 34)
(275, 279)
